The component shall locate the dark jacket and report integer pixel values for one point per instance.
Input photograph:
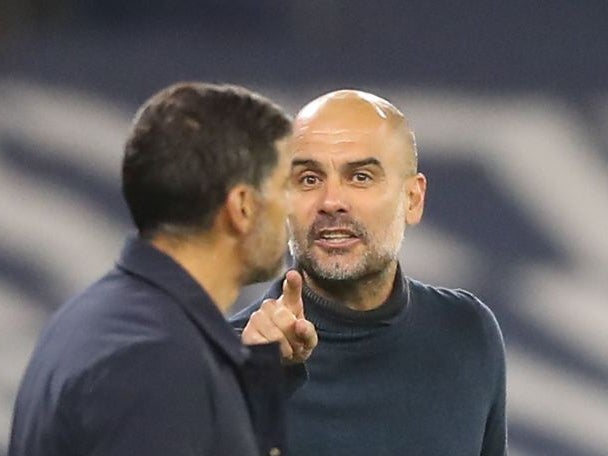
(144, 363)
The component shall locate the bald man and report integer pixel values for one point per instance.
(401, 367)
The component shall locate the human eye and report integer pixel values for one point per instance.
(308, 180)
(362, 177)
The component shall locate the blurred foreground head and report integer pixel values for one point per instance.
(210, 163)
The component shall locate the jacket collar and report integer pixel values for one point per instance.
(142, 259)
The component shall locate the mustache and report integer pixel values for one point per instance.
(339, 221)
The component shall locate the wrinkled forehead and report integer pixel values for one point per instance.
(338, 137)
(346, 136)
(335, 149)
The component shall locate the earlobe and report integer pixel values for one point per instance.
(240, 207)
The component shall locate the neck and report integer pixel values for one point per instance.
(206, 259)
(365, 293)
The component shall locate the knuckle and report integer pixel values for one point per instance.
(255, 318)
(279, 313)
(277, 334)
(250, 337)
(267, 305)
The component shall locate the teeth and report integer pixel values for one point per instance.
(336, 236)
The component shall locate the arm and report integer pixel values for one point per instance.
(495, 435)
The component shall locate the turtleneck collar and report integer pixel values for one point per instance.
(336, 317)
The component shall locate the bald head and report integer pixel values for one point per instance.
(348, 115)
(355, 189)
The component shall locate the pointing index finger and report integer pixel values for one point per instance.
(292, 293)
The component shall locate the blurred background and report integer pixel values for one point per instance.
(510, 104)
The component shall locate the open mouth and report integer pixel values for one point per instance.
(336, 238)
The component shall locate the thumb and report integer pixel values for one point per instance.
(306, 333)
(292, 293)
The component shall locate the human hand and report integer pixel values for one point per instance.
(282, 320)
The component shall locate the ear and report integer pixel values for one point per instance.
(416, 189)
(241, 205)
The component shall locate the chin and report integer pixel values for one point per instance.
(337, 271)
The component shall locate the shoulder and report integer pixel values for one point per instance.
(459, 323)
(452, 301)
(106, 358)
(122, 304)
(456, 308)
(163, 374)
(111, 321)
(143, 357)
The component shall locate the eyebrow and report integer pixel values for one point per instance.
(314, 164)
(307, 163)
(364, 162)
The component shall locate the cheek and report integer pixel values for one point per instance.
(297, 228)
(383, 217)
(301, 211)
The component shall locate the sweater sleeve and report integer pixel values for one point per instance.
(495, 434)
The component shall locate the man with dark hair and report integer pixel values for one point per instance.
(402, 367)
(143, 361)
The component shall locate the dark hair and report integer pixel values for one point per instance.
(189, 145)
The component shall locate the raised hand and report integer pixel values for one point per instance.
(282, 320)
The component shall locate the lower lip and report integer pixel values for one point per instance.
(337, 243)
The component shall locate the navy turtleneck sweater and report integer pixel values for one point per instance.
(423, 374)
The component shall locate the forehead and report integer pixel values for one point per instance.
(350, 125)
(330, 142)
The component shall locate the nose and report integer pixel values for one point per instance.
(334, 200)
